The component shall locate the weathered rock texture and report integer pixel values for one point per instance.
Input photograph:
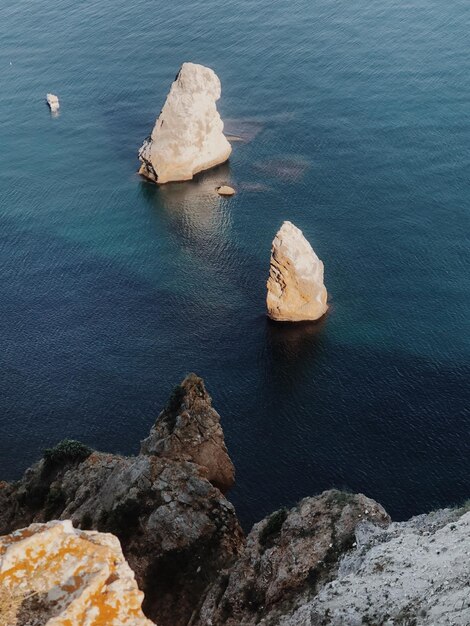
(287, 557)
(53, 574)
(176, 528)
(414, 573)
(295, 285)
(336, 560)
(332, 560)
(187, 137)
(189, 429)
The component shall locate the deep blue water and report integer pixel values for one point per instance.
(356, 127)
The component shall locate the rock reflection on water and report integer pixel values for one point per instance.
(195, 210)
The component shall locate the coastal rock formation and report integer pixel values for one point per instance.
(189, 429)
(54, 574)
(176, 528)
(53, 102)
(187, 137)
(287, 557)
(332, 560)
(295, 285)
(336, 560)
(413, 573)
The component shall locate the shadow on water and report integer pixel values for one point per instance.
(333, 415)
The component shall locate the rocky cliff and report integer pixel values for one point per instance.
(334, 559)
(176, 528)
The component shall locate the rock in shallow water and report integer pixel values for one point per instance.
(225, 190)
(54, 574)
(295, 285)
(187, 137)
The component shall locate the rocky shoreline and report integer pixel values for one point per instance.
(333, 559)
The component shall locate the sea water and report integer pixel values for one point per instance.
(354, 120)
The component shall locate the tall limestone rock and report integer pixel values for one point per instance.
(296, 291)
(187, 137)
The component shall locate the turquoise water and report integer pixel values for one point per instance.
(355, 123)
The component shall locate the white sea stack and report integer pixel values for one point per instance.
(188, 135)
(56, 575)
(295, 285)
(53, 102)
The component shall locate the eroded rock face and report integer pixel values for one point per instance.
(287, 558)
(414, 573)
(176, 528)
(189, 429)
(296, 291)
(55, 574)
(187, 137)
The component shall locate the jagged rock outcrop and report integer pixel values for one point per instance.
(336, 560)
(56, 575)
(189, 429)
(287, 557)
(176, 528)
(188, 135)
(296, 291)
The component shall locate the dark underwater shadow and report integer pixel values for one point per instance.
(91, 351)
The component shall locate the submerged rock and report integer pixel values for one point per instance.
(187, 137)
(55, 574)
(296, 291)
(53, 102)
(177, 530)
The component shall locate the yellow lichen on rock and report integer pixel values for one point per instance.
(62, 576)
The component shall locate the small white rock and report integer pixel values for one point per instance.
(53, 102)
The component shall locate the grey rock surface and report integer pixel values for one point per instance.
(415, 573)
(288, 557)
